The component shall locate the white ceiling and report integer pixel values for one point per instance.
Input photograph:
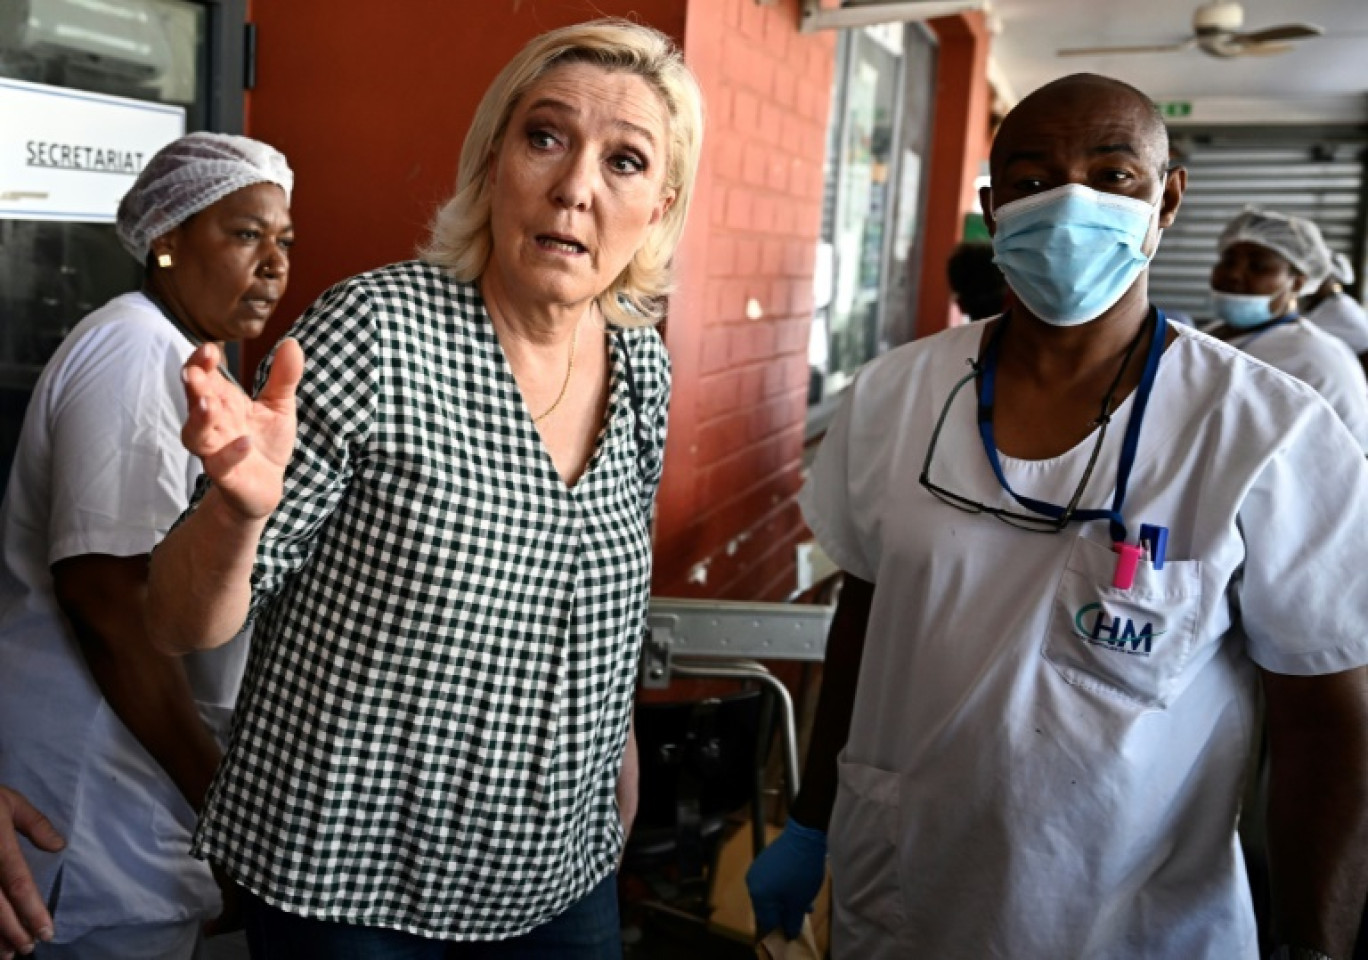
(1334, 65)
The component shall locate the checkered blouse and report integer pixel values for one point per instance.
(435, 708)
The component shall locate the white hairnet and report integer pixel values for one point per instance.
(189, 174)
(1298, 241)
(1341, 269)
(1319, 265)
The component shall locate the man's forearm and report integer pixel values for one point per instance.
(831, 725)
(1316, 842)
(1318, 810)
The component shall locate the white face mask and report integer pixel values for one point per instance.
(1070, 253)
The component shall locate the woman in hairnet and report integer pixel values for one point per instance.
(1265, 260)
(114, 742)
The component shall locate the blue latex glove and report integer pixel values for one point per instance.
(784, 880)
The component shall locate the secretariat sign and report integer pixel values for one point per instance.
(70, 155)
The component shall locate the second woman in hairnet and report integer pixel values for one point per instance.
(115, 743)
(1265, 259)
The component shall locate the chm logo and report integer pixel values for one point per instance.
(1121, 634)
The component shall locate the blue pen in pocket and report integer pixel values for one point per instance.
(1155, 538)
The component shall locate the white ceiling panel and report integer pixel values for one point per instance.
(1331, 66)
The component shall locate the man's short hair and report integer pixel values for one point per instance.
(1158, 129)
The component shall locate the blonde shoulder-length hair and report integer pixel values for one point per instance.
(460, 238)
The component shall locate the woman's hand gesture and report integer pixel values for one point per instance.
(245, 444)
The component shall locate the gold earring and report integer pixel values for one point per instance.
(164, 261)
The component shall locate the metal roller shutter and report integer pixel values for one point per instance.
(1314, 174)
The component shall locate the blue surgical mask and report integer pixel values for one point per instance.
(1070, 253)
(1243, 310)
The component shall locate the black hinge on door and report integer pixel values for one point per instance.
(249, 56)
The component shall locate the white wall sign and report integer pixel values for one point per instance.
(71, 155)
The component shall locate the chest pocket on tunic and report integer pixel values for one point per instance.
(1129, 644)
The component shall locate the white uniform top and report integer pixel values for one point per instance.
(1041, 765)
(1342, 316)
(100, 470)
(1320, 360)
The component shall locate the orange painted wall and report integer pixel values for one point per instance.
(733, 466)
(959, 145)
(370, 101)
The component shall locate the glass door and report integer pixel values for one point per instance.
(871, 64)
(88, 89)
(874, 180)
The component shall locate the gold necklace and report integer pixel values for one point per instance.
(565, 384)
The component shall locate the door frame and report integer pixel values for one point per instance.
(230, 53)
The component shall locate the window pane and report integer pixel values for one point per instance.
(856, 219)
(52, 273)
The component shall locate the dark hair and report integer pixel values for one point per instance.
(979, 286)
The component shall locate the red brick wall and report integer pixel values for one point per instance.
(727, 520)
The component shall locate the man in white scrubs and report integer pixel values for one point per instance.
(1077, 541)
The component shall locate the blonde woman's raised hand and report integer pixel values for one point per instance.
(245, 444)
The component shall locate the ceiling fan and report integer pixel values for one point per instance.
(1216, 31)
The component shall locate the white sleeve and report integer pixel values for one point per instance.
(119, 472)
(826, 498)
(1342, 317)
(1304, 592)
(1330, 367)
(1346, 390)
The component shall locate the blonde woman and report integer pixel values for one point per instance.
(449, 569)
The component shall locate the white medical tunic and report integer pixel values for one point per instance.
(1041, 765)
(1342, 316)
(1320, 360)
(100, 469)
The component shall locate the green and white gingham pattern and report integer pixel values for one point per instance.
(432, 720)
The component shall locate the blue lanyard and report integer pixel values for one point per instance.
(1129, 446)
(1258, 332)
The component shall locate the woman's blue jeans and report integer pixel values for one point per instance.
(587, 930)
